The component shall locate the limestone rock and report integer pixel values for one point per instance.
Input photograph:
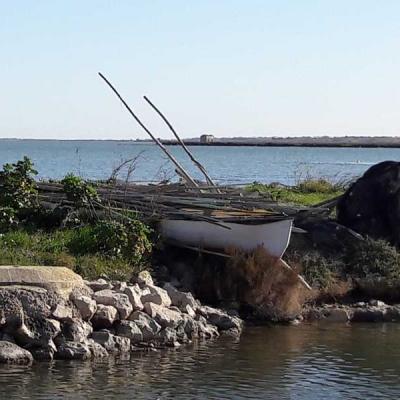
(104, 316)
(157, 296)
(144, 278)
(119, 286)
(62, 313)
(96, 349)
(60, 280)
(167, 336)
(100, 284)
(206, 330)
(73, 351)
(134, 294)
(86, 306)
(10, 353)
(43, 354)
(118, 300)
(148, 327)
(220, 319)
(77, 331)
(371, 314)
(180, 299)
(112, 343)
(338, 315)
(163, 316)
(130, 330)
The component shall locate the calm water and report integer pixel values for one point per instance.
(280, 362)
(96, 160)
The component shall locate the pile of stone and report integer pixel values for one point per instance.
(370, 311)
(101, 318)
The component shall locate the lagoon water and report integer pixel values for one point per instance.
(97, 159)
(359, 361)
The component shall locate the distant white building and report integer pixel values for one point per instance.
(206, 138)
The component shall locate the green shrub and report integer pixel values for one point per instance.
(373, 258)
(78, 191)
(17, 186)
(320, 272)
(317, 186)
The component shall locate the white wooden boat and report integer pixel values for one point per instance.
(273, 235)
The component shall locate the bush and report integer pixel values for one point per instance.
(317, 186)
(18, 189)
(320, 272)
(373, 258)
(78, 191)
(115, 239)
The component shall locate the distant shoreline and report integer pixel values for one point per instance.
(305, 141)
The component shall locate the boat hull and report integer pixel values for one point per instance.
(273, 236)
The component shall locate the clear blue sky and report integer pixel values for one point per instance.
(231, 68)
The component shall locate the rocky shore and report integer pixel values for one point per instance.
(102, 318)
(362, 311)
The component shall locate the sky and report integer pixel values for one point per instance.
(224, 67)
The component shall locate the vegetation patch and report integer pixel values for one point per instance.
(307, 192)
(95, 246)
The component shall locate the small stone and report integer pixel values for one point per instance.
(144, 278)
(163, 316)
(10, 353)
(377, 303)
(104, 316)
(100, 284)
(118, 300)
(157, 296)
(130, 330)
(119, 286)
(86, 306)
(73, 351)
(134, 294)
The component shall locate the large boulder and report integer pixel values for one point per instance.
(57, 279)
(10, 353)
(371, 206)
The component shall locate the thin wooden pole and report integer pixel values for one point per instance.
(188, 178)
(188, 152)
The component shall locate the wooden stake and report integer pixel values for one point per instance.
(188, 178)
(188, 152)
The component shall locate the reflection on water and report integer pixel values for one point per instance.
(277, 362)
